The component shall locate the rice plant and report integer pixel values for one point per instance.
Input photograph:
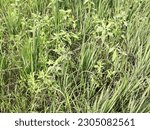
(75, 56)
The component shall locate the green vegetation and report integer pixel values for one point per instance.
(74, 55)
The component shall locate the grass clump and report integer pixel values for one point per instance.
(74, 56)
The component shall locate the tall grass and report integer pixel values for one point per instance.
(74, 56)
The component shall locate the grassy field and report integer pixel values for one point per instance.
(75, 56)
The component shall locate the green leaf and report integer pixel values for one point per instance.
(114, 56)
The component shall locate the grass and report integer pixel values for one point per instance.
(75, 56)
